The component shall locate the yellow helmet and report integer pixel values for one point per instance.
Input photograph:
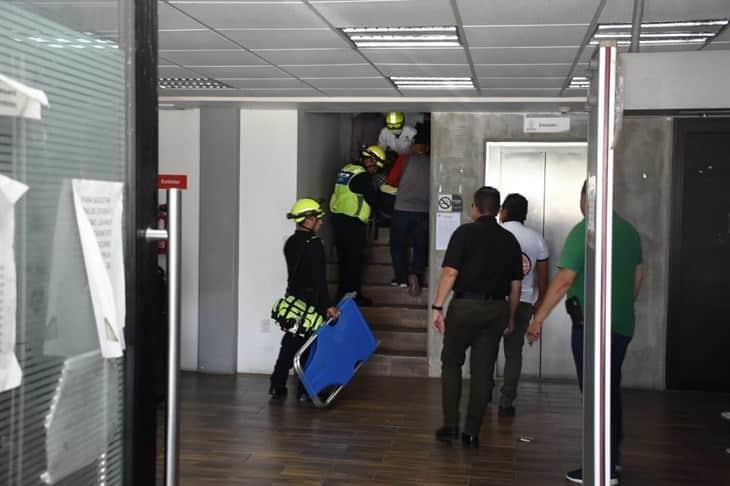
(305, 208)
(376, 153)
(394, 120)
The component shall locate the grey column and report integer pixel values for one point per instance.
(219, 188)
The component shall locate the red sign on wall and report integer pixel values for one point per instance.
(172, 181)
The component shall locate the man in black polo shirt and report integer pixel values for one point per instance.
(483, 266)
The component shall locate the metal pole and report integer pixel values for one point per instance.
(636, 25)
(599, 248)
(174, 241)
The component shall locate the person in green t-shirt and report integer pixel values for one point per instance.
(627, 274)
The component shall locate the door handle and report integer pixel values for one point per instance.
(173, 235)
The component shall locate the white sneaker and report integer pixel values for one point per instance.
(725, 415)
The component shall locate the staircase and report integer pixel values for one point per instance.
(398, 320)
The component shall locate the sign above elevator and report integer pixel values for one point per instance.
(546, 124)
(172, 181)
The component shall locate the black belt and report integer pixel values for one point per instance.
(477, 296)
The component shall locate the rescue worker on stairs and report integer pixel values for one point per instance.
(307, 299)
(352, 205)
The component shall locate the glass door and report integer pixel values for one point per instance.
(65, 144)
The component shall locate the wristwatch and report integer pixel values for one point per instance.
(437, 307)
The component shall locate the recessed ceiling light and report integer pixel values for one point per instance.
(579, 82)
(191, 83)
(405, 82)
(662, 33)
(403, 37)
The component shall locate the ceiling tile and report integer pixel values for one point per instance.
(388, 14)
(192, 39)
(264, 83)
(361, 92)
(425, 69)
(169, 17)
(310, 56)
(351, 83)
(523, 55)
(281, 92)
(518, 83)
(511, 36)
(509, 92)
(259, 71)
(522, 70)
(228, 57)
(622, 10)
(723, 37)
(247, 15)
(98, 18)
(331, 71)
(575, 92)
(286, 38)
(718, 46)
(176, 72)
(416, 56)
(526, 12)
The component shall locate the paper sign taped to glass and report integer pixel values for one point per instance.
(10, 373)
(19, 100)
(87, 253)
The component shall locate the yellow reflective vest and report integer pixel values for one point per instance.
(346, 202)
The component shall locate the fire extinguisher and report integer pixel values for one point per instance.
(162, 224)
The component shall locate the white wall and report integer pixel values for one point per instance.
(179, 153)
(268, 185)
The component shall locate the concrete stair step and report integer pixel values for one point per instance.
(375, 273)
(402, 343)
(387, 365)
(379, 254)
(401, 318)
(385, 295)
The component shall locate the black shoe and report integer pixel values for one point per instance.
(277, 392)
(447, 433)
(469, 440)
(506, 412)
(363, 301)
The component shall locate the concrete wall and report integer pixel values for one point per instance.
(321, 155)
(642, 194)
(218, 313)
(643, 162)
(179, 153)
(268, 186)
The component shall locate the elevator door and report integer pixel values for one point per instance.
(550, 176)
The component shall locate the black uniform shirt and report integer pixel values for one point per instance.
(307, 268)
(487, 257)
(363, 184)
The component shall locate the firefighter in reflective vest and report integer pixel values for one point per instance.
(307, 302)
(351, 206)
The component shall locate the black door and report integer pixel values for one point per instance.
(699, 304)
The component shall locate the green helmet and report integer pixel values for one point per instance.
(376, 153)
(305, 208)
(394, 120)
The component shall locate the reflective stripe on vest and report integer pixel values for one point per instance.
(346, 202)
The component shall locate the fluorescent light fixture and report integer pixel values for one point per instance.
(406, 82)
(579, 82)
(692, 32)
(403, 37)
(191, 83)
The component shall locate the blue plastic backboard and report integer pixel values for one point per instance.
(338, 350)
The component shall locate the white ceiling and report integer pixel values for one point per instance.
(291, 48)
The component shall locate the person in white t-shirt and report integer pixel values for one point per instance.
(536, 271)
(396, 135)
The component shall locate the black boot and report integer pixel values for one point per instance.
(277, 392)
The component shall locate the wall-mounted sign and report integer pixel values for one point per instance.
(450, 203)
(172, 181)
(552, 124)
(19, 100)
(10, 373)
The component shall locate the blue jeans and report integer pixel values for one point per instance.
(407, 225)
(619, 344)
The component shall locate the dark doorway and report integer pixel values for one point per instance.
(699, 304)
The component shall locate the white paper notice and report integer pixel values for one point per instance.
(10, 373)
(446, 224)
(99, 206)
(19, 100)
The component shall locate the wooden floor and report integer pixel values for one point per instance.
(380, 432)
